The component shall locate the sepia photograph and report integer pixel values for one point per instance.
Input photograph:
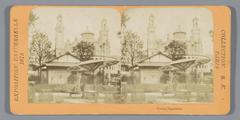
(136, 56)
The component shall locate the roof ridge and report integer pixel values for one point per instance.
(158, 53)
(66, 53)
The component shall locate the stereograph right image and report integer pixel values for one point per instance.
(139, 55)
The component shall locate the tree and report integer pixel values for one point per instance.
(176, 49)
(32, 18)
(132, 48)
(84, 50)
(31, 23)
(124, 19)
(123, 23)
(40, 48)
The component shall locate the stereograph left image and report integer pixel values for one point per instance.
(139, 55)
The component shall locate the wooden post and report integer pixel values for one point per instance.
(188, 93)
(95, 88)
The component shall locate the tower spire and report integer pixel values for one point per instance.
(104, 24)
(150, 35)
(103, 45)
(151, 23)
(196, 43)
(59, 36)
(195, 23)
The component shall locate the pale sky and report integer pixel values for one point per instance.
(168, 20)
(78, 20)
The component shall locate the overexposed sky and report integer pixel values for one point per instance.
(79, 20)
(168, 20)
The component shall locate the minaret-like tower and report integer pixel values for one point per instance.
(103, 45)
(195, 40)
(151, 35)
(59, 37)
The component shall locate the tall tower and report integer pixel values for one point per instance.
(59, 37)
(103, 45)
(151, 35)
(196, 43)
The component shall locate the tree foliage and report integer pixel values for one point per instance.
(84, 50)
(40, 49)
(124, 19)
(123, 23)
(32, 18)
(176, 49)
(132, 48)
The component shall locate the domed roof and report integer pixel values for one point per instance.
(179, 31)
(84, 33)
(87, 32)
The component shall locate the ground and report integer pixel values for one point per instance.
(141, 93)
